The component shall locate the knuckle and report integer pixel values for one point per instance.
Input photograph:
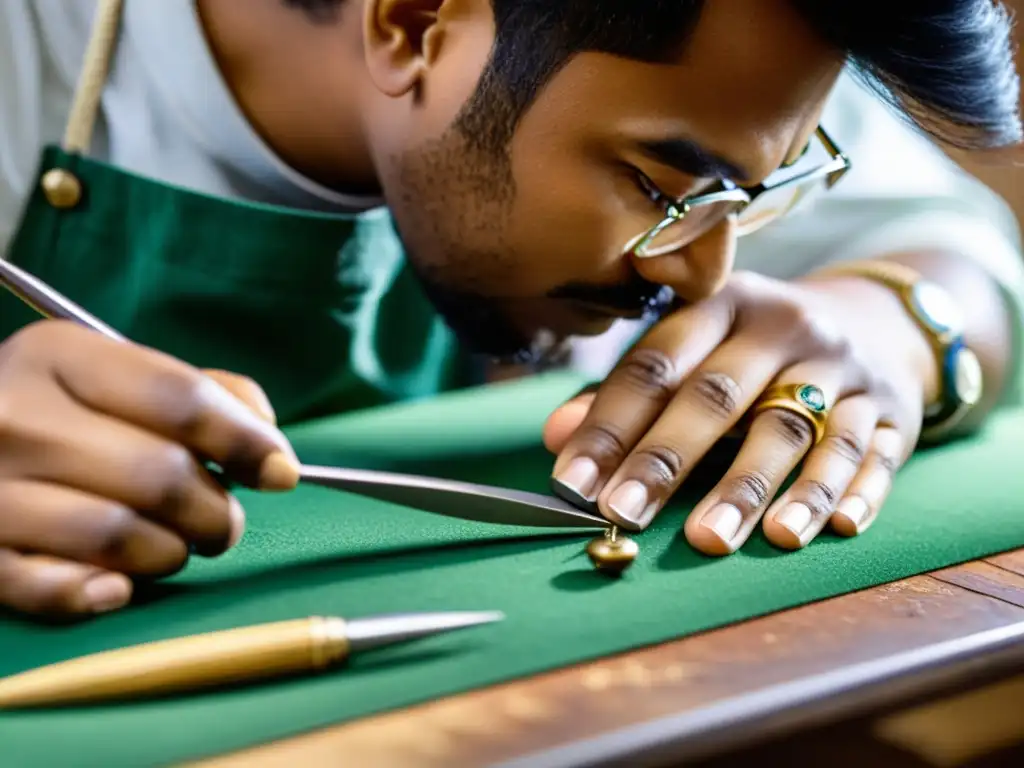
(23, 590)
(888, 389)
(818, 335)
(165, 560)
(791, 427)
(58, 599)
(179, 395)
(837, 346)
(899, 409)
(717, 393)
(212, 527)
(848, 445)
(886, 462)
(799, 326)
(660, 465)
(112, 532)
(650, 372)
(603, 442)
(820, 497)
(802, 318)
(172, 471)
(750, 489)
(887, 393)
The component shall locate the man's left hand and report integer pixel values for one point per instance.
(699, 375)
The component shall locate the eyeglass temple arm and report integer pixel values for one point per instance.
(837, 154)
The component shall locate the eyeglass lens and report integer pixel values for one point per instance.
(767, 207)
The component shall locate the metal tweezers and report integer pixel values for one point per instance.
(467, 501)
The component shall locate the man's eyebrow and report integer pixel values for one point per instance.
(691, 158)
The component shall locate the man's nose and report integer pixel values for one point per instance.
(698, 269)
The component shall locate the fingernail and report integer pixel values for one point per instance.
(796, 517)
(629, 502)
(725, 521)
(279, 472)
(237, 515)
(107, 592)
(580, 477)
(854, 509)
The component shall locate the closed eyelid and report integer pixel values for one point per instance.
(692, 159)
(708, 186)
(657, 197)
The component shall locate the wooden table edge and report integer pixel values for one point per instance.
(809, 701)
(890, 680)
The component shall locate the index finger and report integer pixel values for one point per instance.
(170, 398)
(635, 393)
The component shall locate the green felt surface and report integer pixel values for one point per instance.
(320, 552)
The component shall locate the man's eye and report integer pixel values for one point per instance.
(650, 189)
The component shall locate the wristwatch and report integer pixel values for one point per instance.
(937, 313)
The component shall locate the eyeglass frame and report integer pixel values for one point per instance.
(676, 211)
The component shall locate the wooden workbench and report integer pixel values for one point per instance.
(863, 652)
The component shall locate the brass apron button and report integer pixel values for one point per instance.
(62, 189)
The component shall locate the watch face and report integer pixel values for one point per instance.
(967, 377)
(937, 308)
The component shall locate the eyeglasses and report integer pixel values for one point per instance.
(687, 219)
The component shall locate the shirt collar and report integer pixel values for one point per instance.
(172, 48)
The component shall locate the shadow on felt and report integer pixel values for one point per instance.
(585, 580)
(484, 467)
(350, 569)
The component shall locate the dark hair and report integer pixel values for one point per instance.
(947, 65)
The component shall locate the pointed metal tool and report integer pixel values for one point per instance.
(216, 659)
(453, 498)
(382, 631)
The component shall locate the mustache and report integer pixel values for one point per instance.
(636, 297)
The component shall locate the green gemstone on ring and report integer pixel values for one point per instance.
(812, 397)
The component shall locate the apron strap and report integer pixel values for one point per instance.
(91, 80)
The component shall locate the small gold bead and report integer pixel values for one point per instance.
(612, 553)
(62, 189)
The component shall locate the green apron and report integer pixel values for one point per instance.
(320, 310)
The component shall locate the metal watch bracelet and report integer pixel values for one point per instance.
(936, 313)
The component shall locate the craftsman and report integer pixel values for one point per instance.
(337, 200)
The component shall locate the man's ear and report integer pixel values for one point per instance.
(402, 39)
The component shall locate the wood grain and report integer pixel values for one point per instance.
(1012, 562)
(571, 705)
(986, 579)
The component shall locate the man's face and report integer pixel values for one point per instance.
(519, 253)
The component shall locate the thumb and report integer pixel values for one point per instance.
(566, 419)
(246, 390)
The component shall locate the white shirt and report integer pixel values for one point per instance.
(167, 113)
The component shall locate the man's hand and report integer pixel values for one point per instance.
(102, 447)
(697, 374)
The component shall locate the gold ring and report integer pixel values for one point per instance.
(805, 400)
